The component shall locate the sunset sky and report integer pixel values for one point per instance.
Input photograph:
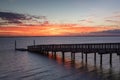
(59, 17)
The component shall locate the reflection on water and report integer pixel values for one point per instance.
(94, 72)
(17, 65)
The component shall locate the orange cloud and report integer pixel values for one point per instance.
(50, 30)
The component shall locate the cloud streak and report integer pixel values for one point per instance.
(113, 21)
(88, 20)
(115, 32)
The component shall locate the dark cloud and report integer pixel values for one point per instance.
(115, 32)
(12, 17)
(9, 15)
(16, 18)
(33, 17)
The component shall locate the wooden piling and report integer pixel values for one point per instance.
(55, 54)
(47, 53)
(82, 56)
(52, 53)
(110, 59)
(86, 57)
(101, 59)
(95, 58)
(72, 56)
(15, 45)
(63, 56)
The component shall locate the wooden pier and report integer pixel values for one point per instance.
(100, 48)
(88, 48)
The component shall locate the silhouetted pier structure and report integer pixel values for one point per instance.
(100, 48)
(87, 48)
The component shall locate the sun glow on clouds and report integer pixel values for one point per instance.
(50, 30)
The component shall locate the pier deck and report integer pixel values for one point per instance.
(101, 48)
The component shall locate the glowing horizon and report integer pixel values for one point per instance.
(52, 30)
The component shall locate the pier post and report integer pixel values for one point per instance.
(52, 53)
(47, 53)
(119, 57)
(63, 56)
(110, 59)
(95, 58)
(15, 45)
(72, 56)
(55, 54)
(101, 59)
(86, 57)
(82, 56)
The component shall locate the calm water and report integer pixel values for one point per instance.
(16, 65)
